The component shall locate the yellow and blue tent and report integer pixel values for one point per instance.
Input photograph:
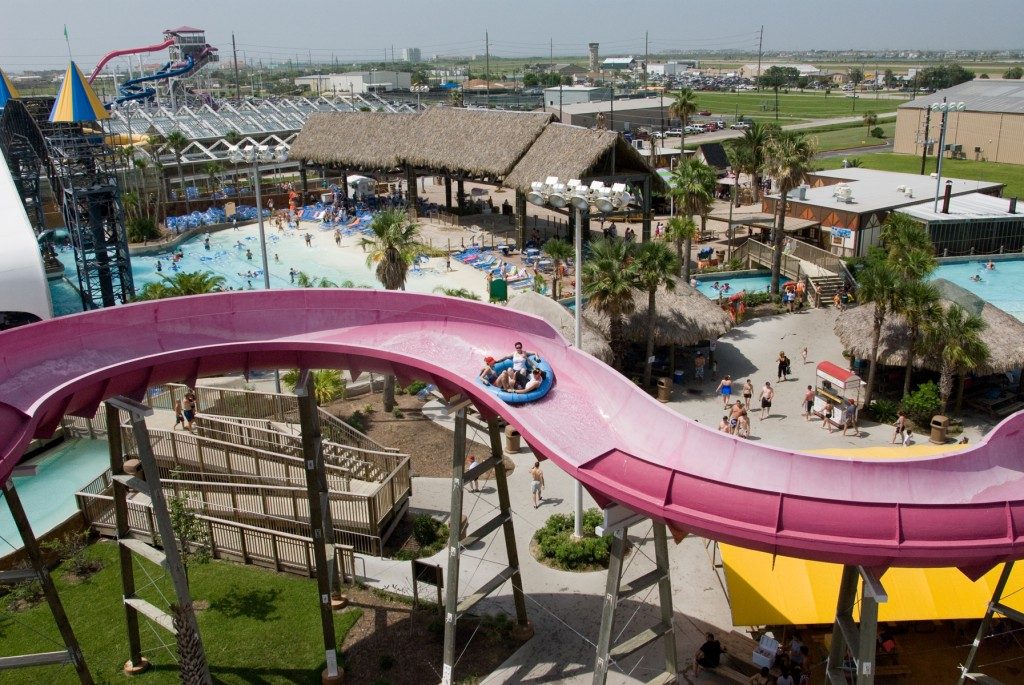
(7, 89)
(77, 101)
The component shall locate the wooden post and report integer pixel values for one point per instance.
(460, 194)
(319, 518)
(505, 508)
(448, 191)
(413, 192)
(305, 181)
(645, 227)
(521, 220)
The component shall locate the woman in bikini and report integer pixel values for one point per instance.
(725, 388)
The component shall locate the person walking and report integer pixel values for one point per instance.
(698, 367)
(537, 484)
(748, 393)
(725, 388)
(767, 393)
(850, 417)
(901, 426)
(471, 463)
(803, 354)
(783, 366)
(188, 410)
(178, 416)
(809, 402)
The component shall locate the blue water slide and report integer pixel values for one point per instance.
(133, 90)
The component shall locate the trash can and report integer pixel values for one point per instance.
(940, 424)
(664, 389)
(511, 440)
(677, 377)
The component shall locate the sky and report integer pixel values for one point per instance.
(32, 32)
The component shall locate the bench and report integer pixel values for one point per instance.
(740, 650)
(730, 674)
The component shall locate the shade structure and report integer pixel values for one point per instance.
(7, 89)
(1003, 333)
(77, 101)
(593, 342)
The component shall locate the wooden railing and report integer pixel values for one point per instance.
(753, 252)
(231, 540)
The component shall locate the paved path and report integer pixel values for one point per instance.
(719, 136)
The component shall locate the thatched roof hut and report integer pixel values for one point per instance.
(354, 140)
(575, 152)
(1003, 333)
(481, 143)
(593, 341)
(683, 316)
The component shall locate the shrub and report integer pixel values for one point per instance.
(555, 543)
(883, 410)
(415, 387)
(357, 420)
(24, 594)
(141, 229)
(877, 132)
(754, 299)
(424, 529)
(397, 413)
(923, 403)
(71, 550)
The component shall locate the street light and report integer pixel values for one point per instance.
(945, 108)
(553, 193)
(254, 155)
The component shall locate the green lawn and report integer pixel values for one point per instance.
(793, 107)
(1010, 174)
(854, 136)
(260, 627)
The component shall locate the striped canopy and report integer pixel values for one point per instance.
(7, 89)
(77, 101)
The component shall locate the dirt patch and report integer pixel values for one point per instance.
(428, 445)
(396, 644)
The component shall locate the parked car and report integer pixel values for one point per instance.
(673, 133)
(740, 126)
(695, 128)
(705, 113)
(710, 126)
(720, 124)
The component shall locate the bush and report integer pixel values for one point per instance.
(424, 529)
(415, 387)
(24, 594)
(141, 229)
(877, 132)
(357, 420)
(71, 549)
(883, 410)
(397, 413)
(555, 543)
(754, 299)
(922, 404)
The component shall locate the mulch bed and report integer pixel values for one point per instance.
(392, 643)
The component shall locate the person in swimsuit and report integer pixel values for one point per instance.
(826, 416)
(487, 374)
(748, 393)
(767, 393)
(734, 417)
(178, 416)
(521, 363)
(532, 384)
(188, 410)
(743, 427)
(725, 388)
(698, 367)
(901, 425)
(783, 364)
(808, 402)
(723, 426)
(506, 380)
(536, 484)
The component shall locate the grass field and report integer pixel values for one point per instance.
(260, 627)
(793, 107)
(1010, 174)
(854, 136)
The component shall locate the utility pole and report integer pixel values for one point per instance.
(927, 130)
(760, 53)
(487, 66)
(234, 55)
(647, 57)
(551, 50)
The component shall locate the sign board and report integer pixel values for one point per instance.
(431, 574)
(842, 232)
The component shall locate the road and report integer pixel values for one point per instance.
(719, 136)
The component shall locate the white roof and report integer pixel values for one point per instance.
(570, 89)
(980, 95)
(874, 190)
(23, 286)
(970, 206)
(617, 60)
(595, 106)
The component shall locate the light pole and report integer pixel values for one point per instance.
(254, 155)
(554, 193)
(945, 108)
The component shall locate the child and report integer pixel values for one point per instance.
(179, 418)
(907, 441)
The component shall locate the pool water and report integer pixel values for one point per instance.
(750, 284)
(49, 496)
(1002, 287)
(227, 257)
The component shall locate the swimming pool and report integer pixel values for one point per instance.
(755, 283)
(49, 496)
(1003, 286)
(227, 257)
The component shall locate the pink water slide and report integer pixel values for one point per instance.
(963, 509)
(128, 51)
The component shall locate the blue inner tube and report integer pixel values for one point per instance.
(517, 398)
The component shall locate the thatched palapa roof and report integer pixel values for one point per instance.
(477, 142)
(683, 316)
(356, 140)
(593, 341)
(1003, 333)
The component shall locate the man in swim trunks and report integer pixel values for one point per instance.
(767, 393)
(698, 367)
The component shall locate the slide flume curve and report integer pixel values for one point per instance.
(963, 509)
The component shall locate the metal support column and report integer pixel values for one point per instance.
(319, 518)
(994, 606)
(645, 226)
(453, 608)
(521, 220)
(183, 624)
(72, 651)
(850, 642)
(136, 662)
(615, 592)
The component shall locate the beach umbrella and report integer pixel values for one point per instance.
(77, 101)
(7, 89)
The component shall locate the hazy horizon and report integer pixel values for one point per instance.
(32, 34)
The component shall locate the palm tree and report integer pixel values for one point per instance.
(304, 280)
(328, 385)
(608, 286)
(693, 185)
(870, 119)
(177, 142)
(559, 250)
(747, 152)
(787, 160)
(457, 292)
(212, 169)
(182, 283)
(684, 104)
(954, 337)
(878, 283)
(655, 266)
(391, 247)
(682, 230)
(918, 303)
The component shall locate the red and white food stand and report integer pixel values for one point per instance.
(836, 385)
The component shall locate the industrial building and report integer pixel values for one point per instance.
(619, 115)
(573, 95)
(411, 55)
(852, 204)
(990, 129)
(357, 82)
